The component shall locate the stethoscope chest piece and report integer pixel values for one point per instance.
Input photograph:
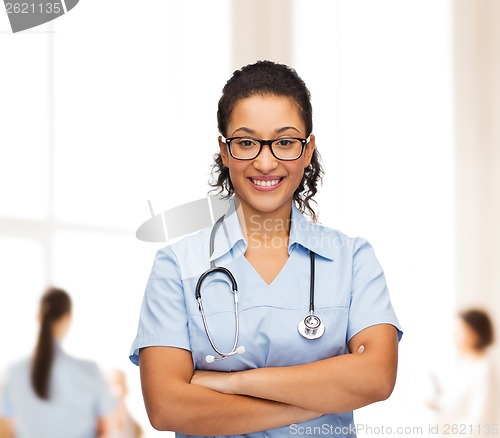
(311, 327)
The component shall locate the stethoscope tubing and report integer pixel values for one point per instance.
(234, 286)
(307, 329)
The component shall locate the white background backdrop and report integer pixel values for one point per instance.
(115, 103)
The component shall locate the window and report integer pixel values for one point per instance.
(381, 87)
(95, 106)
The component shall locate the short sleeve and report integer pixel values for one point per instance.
(163, 318)
(370, 303)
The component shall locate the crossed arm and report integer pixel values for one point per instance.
(217, 403)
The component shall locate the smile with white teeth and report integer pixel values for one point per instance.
(265, 183)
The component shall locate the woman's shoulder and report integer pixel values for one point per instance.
(187, 243)
(338, 241)
(302, 223)
(17, 369)
(193, 248)
(186, 256)
(331, 231)
(77, 364)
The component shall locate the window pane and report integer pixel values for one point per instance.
(383, 99)
(21, 284)
(24, 133)
(126, 101)
(106, 276)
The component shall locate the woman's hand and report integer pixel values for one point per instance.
(337, 384)
(216, 380)
(173, 403)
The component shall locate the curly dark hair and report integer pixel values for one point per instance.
(267, 78)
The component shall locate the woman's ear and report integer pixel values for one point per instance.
(223, 152)
(309, 150)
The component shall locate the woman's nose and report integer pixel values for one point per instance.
(265, 161)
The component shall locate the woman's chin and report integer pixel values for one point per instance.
(265, 204)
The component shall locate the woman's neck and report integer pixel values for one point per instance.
(265, 229)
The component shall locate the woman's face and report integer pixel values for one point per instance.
(266, 118)
(466, 337)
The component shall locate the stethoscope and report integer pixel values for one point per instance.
(310, 327)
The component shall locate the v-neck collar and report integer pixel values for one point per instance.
(311, 236)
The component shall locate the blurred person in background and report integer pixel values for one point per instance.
(5, 429)
(464, 400)
(121, 423)
(51, 394)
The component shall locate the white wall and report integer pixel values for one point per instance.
(477, 133)
(380, 75)
(112, 105)
(101, 110)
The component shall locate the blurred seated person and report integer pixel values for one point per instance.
(52, 394)
(5, 428)
(121, 423)
(464, 400)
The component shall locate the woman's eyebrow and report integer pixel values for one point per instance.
(244, 129)
(278, 131)
(286, 128)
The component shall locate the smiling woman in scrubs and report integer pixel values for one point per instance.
(283, 384)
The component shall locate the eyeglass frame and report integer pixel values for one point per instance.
(262, 143)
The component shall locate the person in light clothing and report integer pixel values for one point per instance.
(308, 295)
(466, 398)
(52, 394)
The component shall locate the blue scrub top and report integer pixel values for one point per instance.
(78, 397)
(350, 295)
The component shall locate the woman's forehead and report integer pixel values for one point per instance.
(269, 113)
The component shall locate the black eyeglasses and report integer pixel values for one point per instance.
(247, 148)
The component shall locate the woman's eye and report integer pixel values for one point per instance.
(246, 143)
(285, 142)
